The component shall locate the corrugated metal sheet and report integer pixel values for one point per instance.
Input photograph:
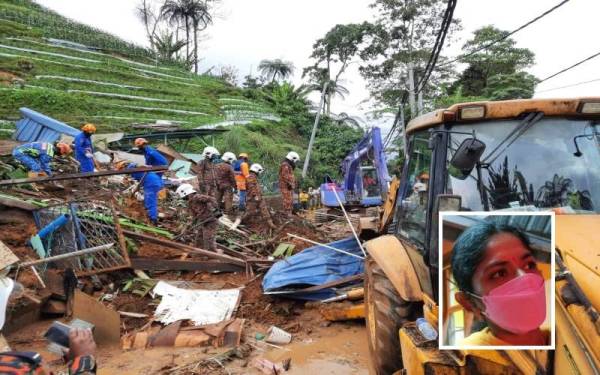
(35, 126)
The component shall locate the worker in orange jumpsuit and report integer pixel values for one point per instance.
(241, 169)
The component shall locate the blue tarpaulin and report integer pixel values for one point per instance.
(313, 266)
(36, 127)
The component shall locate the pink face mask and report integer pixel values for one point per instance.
(518, 306)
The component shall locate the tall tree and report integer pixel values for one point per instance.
(334, 53)
(276, 68)
(167, 46)
(201, 18)
(151, 18)
(499, 65)
(403, 36)
(175, 11)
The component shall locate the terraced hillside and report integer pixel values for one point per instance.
(77, 74)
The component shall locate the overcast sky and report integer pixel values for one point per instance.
(252, 30)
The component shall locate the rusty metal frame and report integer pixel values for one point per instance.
(103, 256)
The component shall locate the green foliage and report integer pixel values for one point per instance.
(9, 28)
(499, 66)
(276, 69)
(404, 33)
(519, 85)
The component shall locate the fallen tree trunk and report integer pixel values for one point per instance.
(74, 176)
(185, 248)
(151, 264)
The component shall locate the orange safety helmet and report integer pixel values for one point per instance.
(243, 155)
(63, 148)
(122, 164)
(140, 142)
(89, 128)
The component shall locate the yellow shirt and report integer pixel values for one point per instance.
(304, 197)
(485, 337)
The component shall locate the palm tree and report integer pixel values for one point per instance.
(200, 17)
(166, 47)
(333, 89)
(175, 11)
(275, 68)
(554, 193)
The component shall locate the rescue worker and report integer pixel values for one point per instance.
(80, 356)
(287, 181)
(206, 214)
(152, 156)
(152, 184)
(36, 156)
(226, 182)
(241, 168)
(84, 150)
(207, 178)
(255, 202)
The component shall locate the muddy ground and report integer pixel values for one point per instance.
(318, 346)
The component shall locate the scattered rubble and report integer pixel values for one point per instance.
(83, 250)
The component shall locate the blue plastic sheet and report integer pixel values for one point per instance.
(313, 266)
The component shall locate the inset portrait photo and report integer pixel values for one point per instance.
(497, 281)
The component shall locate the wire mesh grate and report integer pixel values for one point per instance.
(80, 225)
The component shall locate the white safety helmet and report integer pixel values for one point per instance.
(210, 151)
(293, 157)
(257, 168)
(229, 157)
(184, 190)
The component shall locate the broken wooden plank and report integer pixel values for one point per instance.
(185, 248)
(233, 333)
(74, 176)
(339, 311)
(14, 202)
(154, 264)
(107, 322)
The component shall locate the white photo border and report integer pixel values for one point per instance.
(552, 327)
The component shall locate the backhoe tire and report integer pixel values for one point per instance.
(386, 313)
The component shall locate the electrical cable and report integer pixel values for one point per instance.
(431, 63)
(567, 86)
(461, 57)
(570, 67)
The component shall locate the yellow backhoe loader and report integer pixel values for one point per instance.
(523, 155)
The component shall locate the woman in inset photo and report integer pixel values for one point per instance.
(499, 282)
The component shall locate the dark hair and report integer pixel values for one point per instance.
(470, 246)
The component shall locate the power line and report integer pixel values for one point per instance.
(461, 57)
(439, 44)
(433, 57)
(571, 85)
(571, 67)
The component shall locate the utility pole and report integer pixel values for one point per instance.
(314, 130)
(411, 90)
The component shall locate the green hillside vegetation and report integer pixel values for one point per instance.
(115, 90)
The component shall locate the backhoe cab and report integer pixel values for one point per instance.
(525, 155)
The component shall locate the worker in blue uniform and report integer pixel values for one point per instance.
(152, 184)
(36, 156)
(84, 150)
(152, 156)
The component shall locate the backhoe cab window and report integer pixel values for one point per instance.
(535, 170)
(412, 220)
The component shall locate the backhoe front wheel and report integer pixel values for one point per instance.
(386, 313)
